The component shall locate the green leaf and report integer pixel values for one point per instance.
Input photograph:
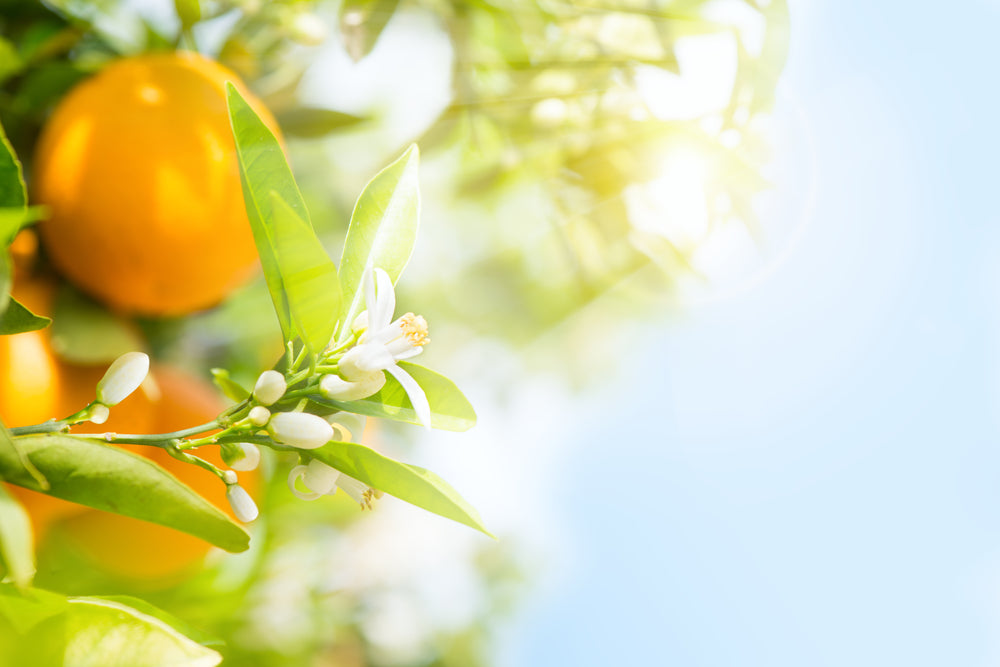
(13, 193)
(282, 240)
(311, 122)
(85, 333)
(189, 12)
(26, 608)
(450, 409)
(311, 285)
(17, 548)
(86, 471)
(361, 23)
(16, 319)
(93, 632)
(10, 449)
(229, 387)
(383, 229)
(200, 636)
(412, 484)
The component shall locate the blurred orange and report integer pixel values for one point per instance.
(138, 168)
(35, 386)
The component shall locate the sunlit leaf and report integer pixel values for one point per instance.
(263, 170)
(91, 473)
(310, 122)
(93, 632)
(11, 450)
(23, 609)
(177, 624)
(412, 484)
(309, 276)
(16, 319)
(85, 333)
(189, 12)
(362, 22)
(383, 229)
(17, 548)
(229, 387)
(450, 409)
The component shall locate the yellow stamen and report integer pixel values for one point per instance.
(415, 329)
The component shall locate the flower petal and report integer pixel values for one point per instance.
(293, 476)
(385, 302)
(417, 396)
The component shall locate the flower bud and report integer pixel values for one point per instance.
(259, 415)
(333, 386)
(269, 388)
(300, 429)
(122, 378)
(247, 457)
(229, 477)
(99, 413)
(243, 505)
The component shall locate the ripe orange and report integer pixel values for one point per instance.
(138, 168)
(35, 386)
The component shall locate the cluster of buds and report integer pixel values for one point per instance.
(275, 412)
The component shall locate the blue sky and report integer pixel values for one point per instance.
(807, 472)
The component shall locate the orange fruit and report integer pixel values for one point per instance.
(35, 386)
(138, 168)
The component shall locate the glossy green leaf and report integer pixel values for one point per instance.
(10, 449)
(16, 319)
(263, 170)
(450, 409)
(85, 333)
(88, 472)
(13, 193)
(361, 24)
(229, 387)
(412, 484)
(140, 605)
(23, 609)
(311, 122)
(13, 200)
(383, 230)
(92, 632)
(17, 548)
(310, 280)
(189, 12)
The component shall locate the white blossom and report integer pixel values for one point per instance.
(249, 459)
(243, 505)
(300, 429)
(123, 377)
(259, 415)
(384, 343)
(270, 387)
(323, 480)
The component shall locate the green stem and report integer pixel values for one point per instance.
(164, 440)
(51, 426)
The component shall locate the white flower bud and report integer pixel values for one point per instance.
(300, 429)
(250, 458)
(269, 388)
(229, 477)
(259, 415)
(333, 386)
(243, 505)
(122, 378)
(99, 413)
